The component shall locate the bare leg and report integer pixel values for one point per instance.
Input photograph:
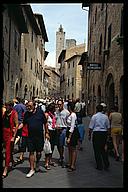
(115, 145)
(32, 160)
(74, 156)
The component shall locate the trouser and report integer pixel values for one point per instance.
(101, 155)
(7, 135)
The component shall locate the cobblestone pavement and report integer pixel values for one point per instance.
(85, 176)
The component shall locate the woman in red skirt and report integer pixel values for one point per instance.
(10, 126)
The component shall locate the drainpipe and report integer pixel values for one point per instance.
(105, 36)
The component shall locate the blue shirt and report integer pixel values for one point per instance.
(99, 122)
(21, 109)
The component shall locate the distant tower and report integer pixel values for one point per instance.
(60, 44)
(70, 43)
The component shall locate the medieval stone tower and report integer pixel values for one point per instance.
(60, 44)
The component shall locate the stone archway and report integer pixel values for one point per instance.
(109, 92)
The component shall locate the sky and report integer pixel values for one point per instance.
(71, 16)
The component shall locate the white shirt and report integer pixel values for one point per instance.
(99, 122)
(71, 121)
(61, 117)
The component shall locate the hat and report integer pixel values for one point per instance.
(103, 104)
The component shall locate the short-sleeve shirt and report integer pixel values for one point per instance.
(99, 122)
(61, 118)
(35, 122)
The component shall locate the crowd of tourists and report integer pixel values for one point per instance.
(38, 126)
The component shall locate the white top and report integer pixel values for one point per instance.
(71, 121)
(49, 121)
(61, 117)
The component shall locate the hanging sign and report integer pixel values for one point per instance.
(94, 66)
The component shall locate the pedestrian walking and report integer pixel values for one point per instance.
(116, 122)
(78, 110)
(100, 126)
(37, 127)
(51, 120)
(20, 108)
(72, 137)
(61, 126)
(10, 126)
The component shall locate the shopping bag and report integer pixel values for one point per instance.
(47, 147)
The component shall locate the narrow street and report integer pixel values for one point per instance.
(85, 176)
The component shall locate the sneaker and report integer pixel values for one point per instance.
(42, 169)
(30, 174)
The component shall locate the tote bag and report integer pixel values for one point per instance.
(47, 147)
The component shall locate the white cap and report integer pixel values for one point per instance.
(103, 104)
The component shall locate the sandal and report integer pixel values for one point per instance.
(47, 167)
(5, 175)
(19, 161)
(52, 164)
(71, 169)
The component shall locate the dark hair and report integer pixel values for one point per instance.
(71, 105)
(116, 108)
(9, 103)
(50, 107)
(99, 108)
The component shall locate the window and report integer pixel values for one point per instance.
(68, 82)
(20, 82)
(35, 67)
(73, 64)
(6, 30)
(18, 46)
(32, 36)
(94, 54)
(109, 35)
(25, 55)
(100, 45)
(102, 6)
(121, 27)
(96, 15)
(68, 65)
(31, 63)
(72, 81)
(15, 39)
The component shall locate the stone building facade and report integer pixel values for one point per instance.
(24, 77)
(105, 38)
(13, 26)
(70, 72)
(53, 82)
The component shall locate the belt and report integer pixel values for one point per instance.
(61, 128)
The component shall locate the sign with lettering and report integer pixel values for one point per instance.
(94, 66)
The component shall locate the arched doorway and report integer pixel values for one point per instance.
(109, 92)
